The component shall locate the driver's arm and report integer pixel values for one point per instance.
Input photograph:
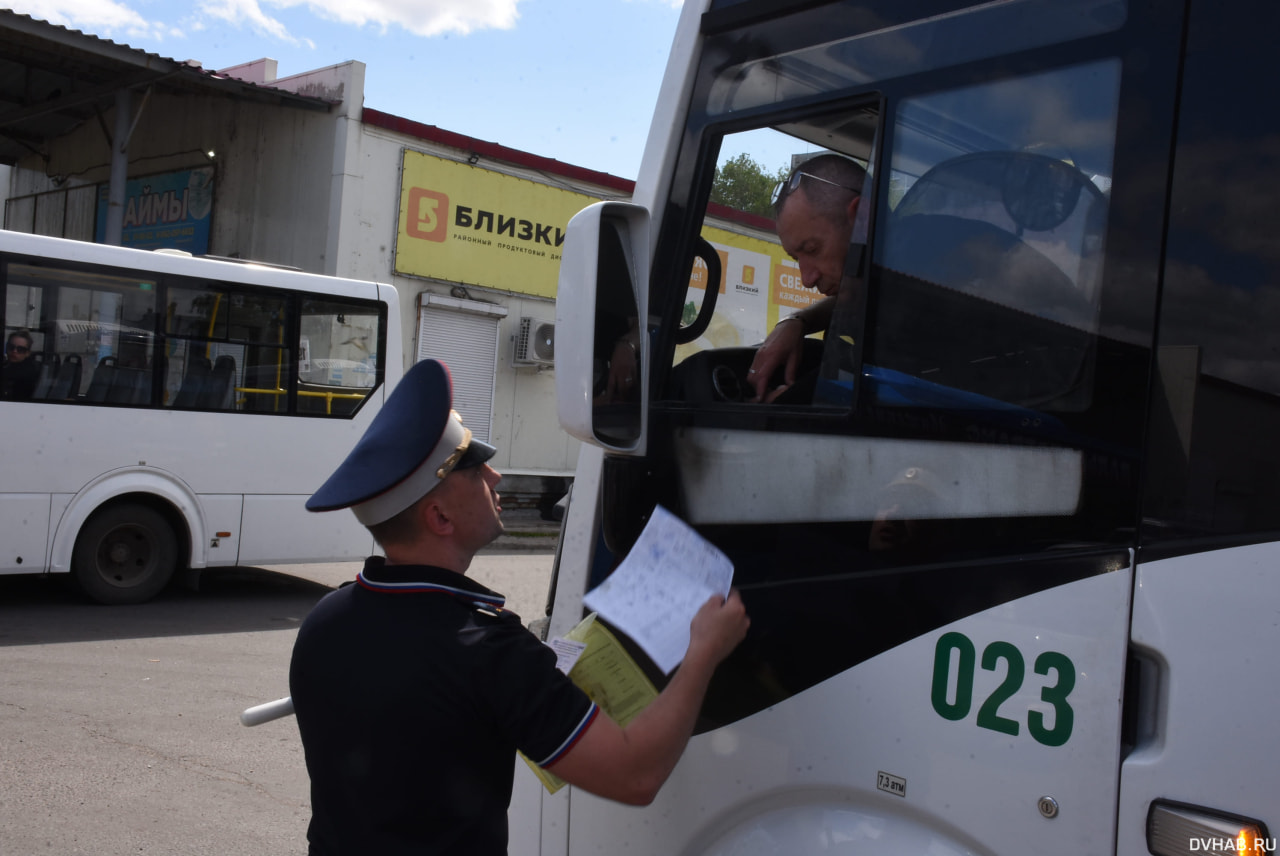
(783, 346)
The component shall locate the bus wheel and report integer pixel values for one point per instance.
(124, 554)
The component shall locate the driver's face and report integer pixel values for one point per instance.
(816, 241)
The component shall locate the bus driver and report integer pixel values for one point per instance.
(814, 209)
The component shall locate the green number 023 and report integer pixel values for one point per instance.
(957, 646)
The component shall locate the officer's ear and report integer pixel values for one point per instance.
(436, 517)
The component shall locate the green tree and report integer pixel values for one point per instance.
(743, 184)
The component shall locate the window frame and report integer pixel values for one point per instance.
(160, 337)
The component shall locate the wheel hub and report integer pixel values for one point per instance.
(124, 558)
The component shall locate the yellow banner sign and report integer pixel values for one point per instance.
(474, 226)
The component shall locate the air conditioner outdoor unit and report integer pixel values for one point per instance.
(536, 343)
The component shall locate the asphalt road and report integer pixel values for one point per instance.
(120, 724)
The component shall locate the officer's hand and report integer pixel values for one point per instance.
(718, 627)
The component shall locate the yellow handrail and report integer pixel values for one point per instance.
(329, 397)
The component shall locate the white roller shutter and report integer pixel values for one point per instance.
(463, 334)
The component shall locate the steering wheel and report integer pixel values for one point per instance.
(720, 376)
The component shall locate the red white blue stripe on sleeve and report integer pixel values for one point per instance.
(573, 738)
(475, 598)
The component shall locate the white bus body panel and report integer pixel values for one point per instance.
(1212, 623)
(283, 531)
(24, 532)
(223, 513)
(772, 784)
(273, 528)
(663, 143)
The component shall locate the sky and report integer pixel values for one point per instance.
(574, 80)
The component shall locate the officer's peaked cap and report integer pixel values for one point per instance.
(412, 444)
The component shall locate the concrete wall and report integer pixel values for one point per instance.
(274, 166)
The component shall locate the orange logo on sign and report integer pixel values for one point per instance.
(427, 216)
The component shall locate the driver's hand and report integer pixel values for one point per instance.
(781, 347)
(624, 372)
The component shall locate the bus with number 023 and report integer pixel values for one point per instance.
(176, 412)
(1009, 543)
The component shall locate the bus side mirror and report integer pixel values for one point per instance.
(602, 370)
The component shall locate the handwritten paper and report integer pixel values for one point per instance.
(654, 593)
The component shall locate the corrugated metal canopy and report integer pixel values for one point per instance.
(53, 79)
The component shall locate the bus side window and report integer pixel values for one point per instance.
(989, 262)
(337, 359)
(80, 321)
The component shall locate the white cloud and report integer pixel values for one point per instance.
(420, 17)
(114, 19)
(246, 12)
(105, 18)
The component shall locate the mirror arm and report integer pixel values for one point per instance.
(708, 254)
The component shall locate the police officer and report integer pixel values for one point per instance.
(414, 688)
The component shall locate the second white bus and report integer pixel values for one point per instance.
(177, 412)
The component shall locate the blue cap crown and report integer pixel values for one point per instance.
(412, 444)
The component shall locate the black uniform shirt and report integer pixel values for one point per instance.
(413, 690)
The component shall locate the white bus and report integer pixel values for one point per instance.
(176, 412)
(1010, 551)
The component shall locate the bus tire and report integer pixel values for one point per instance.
(124, 554)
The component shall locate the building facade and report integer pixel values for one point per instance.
(319, 183)
(295, 171)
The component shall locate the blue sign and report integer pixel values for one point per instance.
(170, 210)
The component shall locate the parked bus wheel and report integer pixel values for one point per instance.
(124, 554)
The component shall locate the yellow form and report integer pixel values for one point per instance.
(608, 675)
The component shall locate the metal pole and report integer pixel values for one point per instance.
(119, 170)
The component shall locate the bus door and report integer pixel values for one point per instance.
(933, 528)
(1205, 594)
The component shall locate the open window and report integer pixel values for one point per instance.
(761, 282)
(987, 236)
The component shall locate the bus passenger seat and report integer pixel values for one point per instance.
(48, 371)
(219, 391)
(130, 385)
(67, 382)
(103, 375)
(193, 382)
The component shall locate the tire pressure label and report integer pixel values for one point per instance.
(891, 784)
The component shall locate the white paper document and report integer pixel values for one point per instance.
(567, 652)
(661, 584)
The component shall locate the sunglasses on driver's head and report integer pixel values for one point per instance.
(788, 185)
